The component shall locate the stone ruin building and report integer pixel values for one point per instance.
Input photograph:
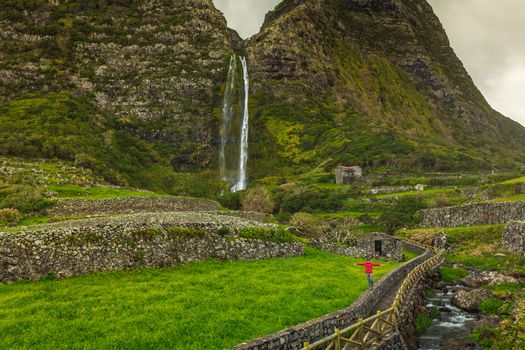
(345, 175)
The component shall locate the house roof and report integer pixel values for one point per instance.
(353, 167)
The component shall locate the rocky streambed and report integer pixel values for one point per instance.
(455, 310)
(451, 328)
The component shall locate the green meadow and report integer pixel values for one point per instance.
(203, 305)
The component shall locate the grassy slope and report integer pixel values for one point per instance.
(206, 305)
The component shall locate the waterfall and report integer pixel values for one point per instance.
(243, 154)
(227, 114)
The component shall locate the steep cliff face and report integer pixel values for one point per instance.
(156, 66)
(133, 89)
(373, 82)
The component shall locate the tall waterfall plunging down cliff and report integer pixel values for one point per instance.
(231, 118)
(227, 114)
(243, 154)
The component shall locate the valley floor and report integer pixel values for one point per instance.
(205, 305)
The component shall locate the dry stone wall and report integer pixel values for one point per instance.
(144, 240)
(514, 237)
(311, 331)
(128, 205)
(474, 214)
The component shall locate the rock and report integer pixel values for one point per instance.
(494, 278)
(420, 187)
(488, 321)
(441, 285)
(457, 344)
(471, 282)
(471, 300)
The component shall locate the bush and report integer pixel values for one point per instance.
(259, 200)
(283, 217)
(26, 199)
(423, 321)
(307, 225)
(9, 217)
(403, 213)
(267, 234)
(231, 200)
(309, 199)
(223, 231)
(490, 306)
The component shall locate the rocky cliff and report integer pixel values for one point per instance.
(373, 82)
(133, 88)
(156, 66)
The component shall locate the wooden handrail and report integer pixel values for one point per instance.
(376, 327)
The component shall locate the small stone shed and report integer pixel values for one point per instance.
(345, 175)
(380, 244)
(365, 245)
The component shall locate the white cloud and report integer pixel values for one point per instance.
(487, 36)
(245, 16)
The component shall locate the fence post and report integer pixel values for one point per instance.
(338, 339)
(361, 333)
(379, 324)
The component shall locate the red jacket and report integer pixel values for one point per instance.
(368, 267)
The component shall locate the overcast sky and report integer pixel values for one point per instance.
(487, 35)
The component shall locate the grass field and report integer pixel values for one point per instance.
(205, 305)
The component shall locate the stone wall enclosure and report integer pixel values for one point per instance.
(474, 214)
(144, 240)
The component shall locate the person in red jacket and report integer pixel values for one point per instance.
(369, 271)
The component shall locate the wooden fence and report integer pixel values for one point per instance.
(367, 332)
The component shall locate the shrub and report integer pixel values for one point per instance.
(424, 321)
(231, 200)
(259, 200)
(307, 224)
(490, 306)
(26, 199)
(223, 231)
(403, 213)
(267, 233)
(283, 217)
(9, 217)
(309, 199)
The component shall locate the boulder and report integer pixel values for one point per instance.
(470, 300)
(471, 282)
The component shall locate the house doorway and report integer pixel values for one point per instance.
(378, 248)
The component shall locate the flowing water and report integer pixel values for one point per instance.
(451, 329)
(227, 116)
(243, 154)
(235, 127)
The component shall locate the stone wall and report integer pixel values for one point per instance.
(362, 246)
(393, 341)
(127, 205)
(514, 237)
(474, 214)
(143, 240)
(311, 331)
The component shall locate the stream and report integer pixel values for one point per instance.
(451, 329)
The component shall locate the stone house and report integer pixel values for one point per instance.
(372, 245)
(345, 175)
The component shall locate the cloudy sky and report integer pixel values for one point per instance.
(487, 35)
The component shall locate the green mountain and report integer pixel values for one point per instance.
(374, 83)
(133, 90)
